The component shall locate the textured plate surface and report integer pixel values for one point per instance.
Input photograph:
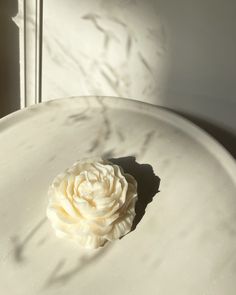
(186, 241)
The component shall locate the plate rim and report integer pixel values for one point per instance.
(203, 137)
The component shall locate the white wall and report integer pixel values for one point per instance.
(183, 53)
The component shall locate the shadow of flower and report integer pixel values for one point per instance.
(148, 184)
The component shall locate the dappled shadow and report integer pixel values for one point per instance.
(61, 275)
(148, 183)
(19, 244)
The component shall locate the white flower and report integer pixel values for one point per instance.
(92, 202)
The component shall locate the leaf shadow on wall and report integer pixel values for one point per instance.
(148, 184)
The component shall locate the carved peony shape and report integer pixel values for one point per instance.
(92, 202)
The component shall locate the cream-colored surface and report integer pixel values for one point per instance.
(92, 202)
(184, 244)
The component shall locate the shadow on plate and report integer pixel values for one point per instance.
(148, 184)
(226, 137)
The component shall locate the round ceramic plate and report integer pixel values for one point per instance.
(184, 244)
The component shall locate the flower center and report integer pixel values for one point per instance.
(92, 187)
